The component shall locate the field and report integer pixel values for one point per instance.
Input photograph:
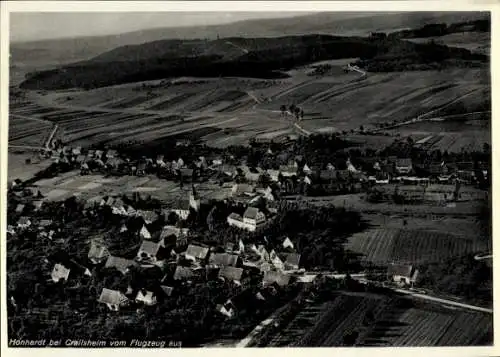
(383, 246)
(474, 41)
(426, 325)
(233, 110)
(19, 169)
(71, 183)
(377, 320)
(449, 136)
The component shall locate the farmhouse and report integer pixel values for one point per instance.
(60, 272)
(196, 252)
(183, 273)
(292, 261)
(231, 273)
(98, 252)
(146, 297)
(252, 219)
(288, 170)
(148, 251)
(242, 189)
(274, 277)
(113, 299)
(402, 274)
(224, 259)
(120, 264)
(23, 222)
(403, 166)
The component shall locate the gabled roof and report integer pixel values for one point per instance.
(197, 251)
(112, 297)
(403, 162)
(120, 264)
(97, 250)
(231, 273)
(60, 272)
(183, 273)
(168, 231)
(20, 208)
(251, 213)
(235, 216)
(168, 290)
(223, 259)
(288, 169)
(24, 220)
(292, 259)
(400, 269)
(149, 247)
(271, 277)
(149, 216)
(242, 188)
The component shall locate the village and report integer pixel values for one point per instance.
(157, 248)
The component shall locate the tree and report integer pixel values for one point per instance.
(283, 109)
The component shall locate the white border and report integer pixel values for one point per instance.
(230, 6)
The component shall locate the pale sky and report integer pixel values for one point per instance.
(30, 26)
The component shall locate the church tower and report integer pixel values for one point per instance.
(194, 199)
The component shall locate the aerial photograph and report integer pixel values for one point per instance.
(249, 179)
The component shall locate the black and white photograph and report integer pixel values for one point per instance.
(193, 179)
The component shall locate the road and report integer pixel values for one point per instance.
(51, 136)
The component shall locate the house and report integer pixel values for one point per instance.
(275, 277)
(292, 261)
(288, 170)
(148, 216)
(183, 207)
(60, 272)
(23, 222)
(287, 243)
(226, 310)
(403, 166)
(231, 273)
(111, 154)
(196, 252)
(141, 169)
(167, 290)
(98, 154)
(146, 297)
(98, 252)
(242, 189)
(148, 251)
(120, 264)
(159, 160)
(276, 261)
(183, 273)
(144, 233)
(168, 231)
(186, 173)
(227, 170)
(37, 205)
(350, 166)
(252, 219)
(20, 208)
(307, 170)
(76, 151)
(402, 274)
(45, 223)
(113, 299)
(114, 162)
(274, 175)
(224, 259)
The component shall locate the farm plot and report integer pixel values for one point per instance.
(132, 102)
(426, 325)
(381, 246)
(344, 315)
(172, 102)
(387, 97)
(304, 92)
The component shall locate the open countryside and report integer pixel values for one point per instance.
(326, 187)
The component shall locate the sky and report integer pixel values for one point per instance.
(32, 26)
